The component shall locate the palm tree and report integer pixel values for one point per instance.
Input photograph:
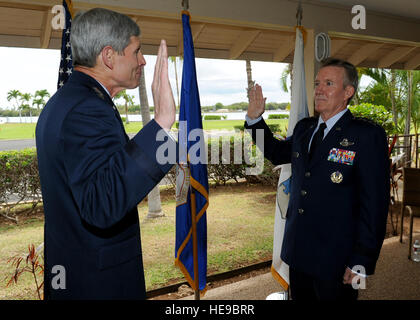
(401, 90)
(415, 110)
(38, 102)
(25, 98)
(287, 72)
(39, 97)
(129, 101)
(391, 83)
(413, 103)
(153, 198)
(15, 94)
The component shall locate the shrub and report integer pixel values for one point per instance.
(273, 127)
(278, 116)
(212, 117)
(19, 180)
(376, 113)
(227, 170)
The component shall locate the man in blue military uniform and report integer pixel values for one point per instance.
(337, 213)
(92, 175)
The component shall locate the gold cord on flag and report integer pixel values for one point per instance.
(70, 7)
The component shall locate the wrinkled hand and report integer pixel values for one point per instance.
(256, 102)
(161, 89)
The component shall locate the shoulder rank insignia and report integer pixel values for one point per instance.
(98, 93)
(346, 143)
(337, 177)
(341, 156)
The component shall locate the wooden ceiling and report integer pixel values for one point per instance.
(23, 24)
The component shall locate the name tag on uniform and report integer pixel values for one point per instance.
(342, 156)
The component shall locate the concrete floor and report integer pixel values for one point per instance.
(395, 278)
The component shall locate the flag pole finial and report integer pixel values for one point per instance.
(185, 4)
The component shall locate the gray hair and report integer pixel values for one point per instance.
(93, 30)
(351, 76)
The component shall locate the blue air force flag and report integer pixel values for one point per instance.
(192, 181)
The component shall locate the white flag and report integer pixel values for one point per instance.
(298, 111)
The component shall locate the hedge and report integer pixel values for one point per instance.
(278, 116)
(377, 114)
(273, 127)
(226, 170)
(19, 180)
(212, 117)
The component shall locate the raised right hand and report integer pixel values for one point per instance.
(162, 92)
(256, 102)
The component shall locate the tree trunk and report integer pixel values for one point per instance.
(176, 80)
(153, 198)
(408, 116)
(392, 93)
(249, 77)
(126, 114)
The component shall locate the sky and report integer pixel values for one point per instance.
(224, 81)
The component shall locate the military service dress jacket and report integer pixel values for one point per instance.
(92, 178)
(338, 203)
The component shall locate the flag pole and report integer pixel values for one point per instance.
(195, 246)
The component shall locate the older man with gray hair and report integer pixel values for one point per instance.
(92, 175)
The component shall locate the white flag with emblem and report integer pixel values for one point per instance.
(298, 111)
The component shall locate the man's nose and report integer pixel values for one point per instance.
(319, 88)
(141, 60)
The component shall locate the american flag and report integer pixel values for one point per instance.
(66, 63)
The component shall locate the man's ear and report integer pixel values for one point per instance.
(348, 91)
(107, 56)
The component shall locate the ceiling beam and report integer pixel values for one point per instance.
(336, 45)
(46, 29)
(196, 30)
(284, 50)
(413, 63)
(364, 52)
(245, 38)
(394, 56)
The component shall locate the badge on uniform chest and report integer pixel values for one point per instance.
(341, 156)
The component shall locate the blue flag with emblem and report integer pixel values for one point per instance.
(66, 63)
(192, 181)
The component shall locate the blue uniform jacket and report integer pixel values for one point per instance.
(333, 220)
(92, 178)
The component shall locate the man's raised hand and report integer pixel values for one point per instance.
(256, 102)
(161, 89)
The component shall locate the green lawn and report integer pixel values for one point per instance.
(27, 130)
(17, 131)
(240, 221)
